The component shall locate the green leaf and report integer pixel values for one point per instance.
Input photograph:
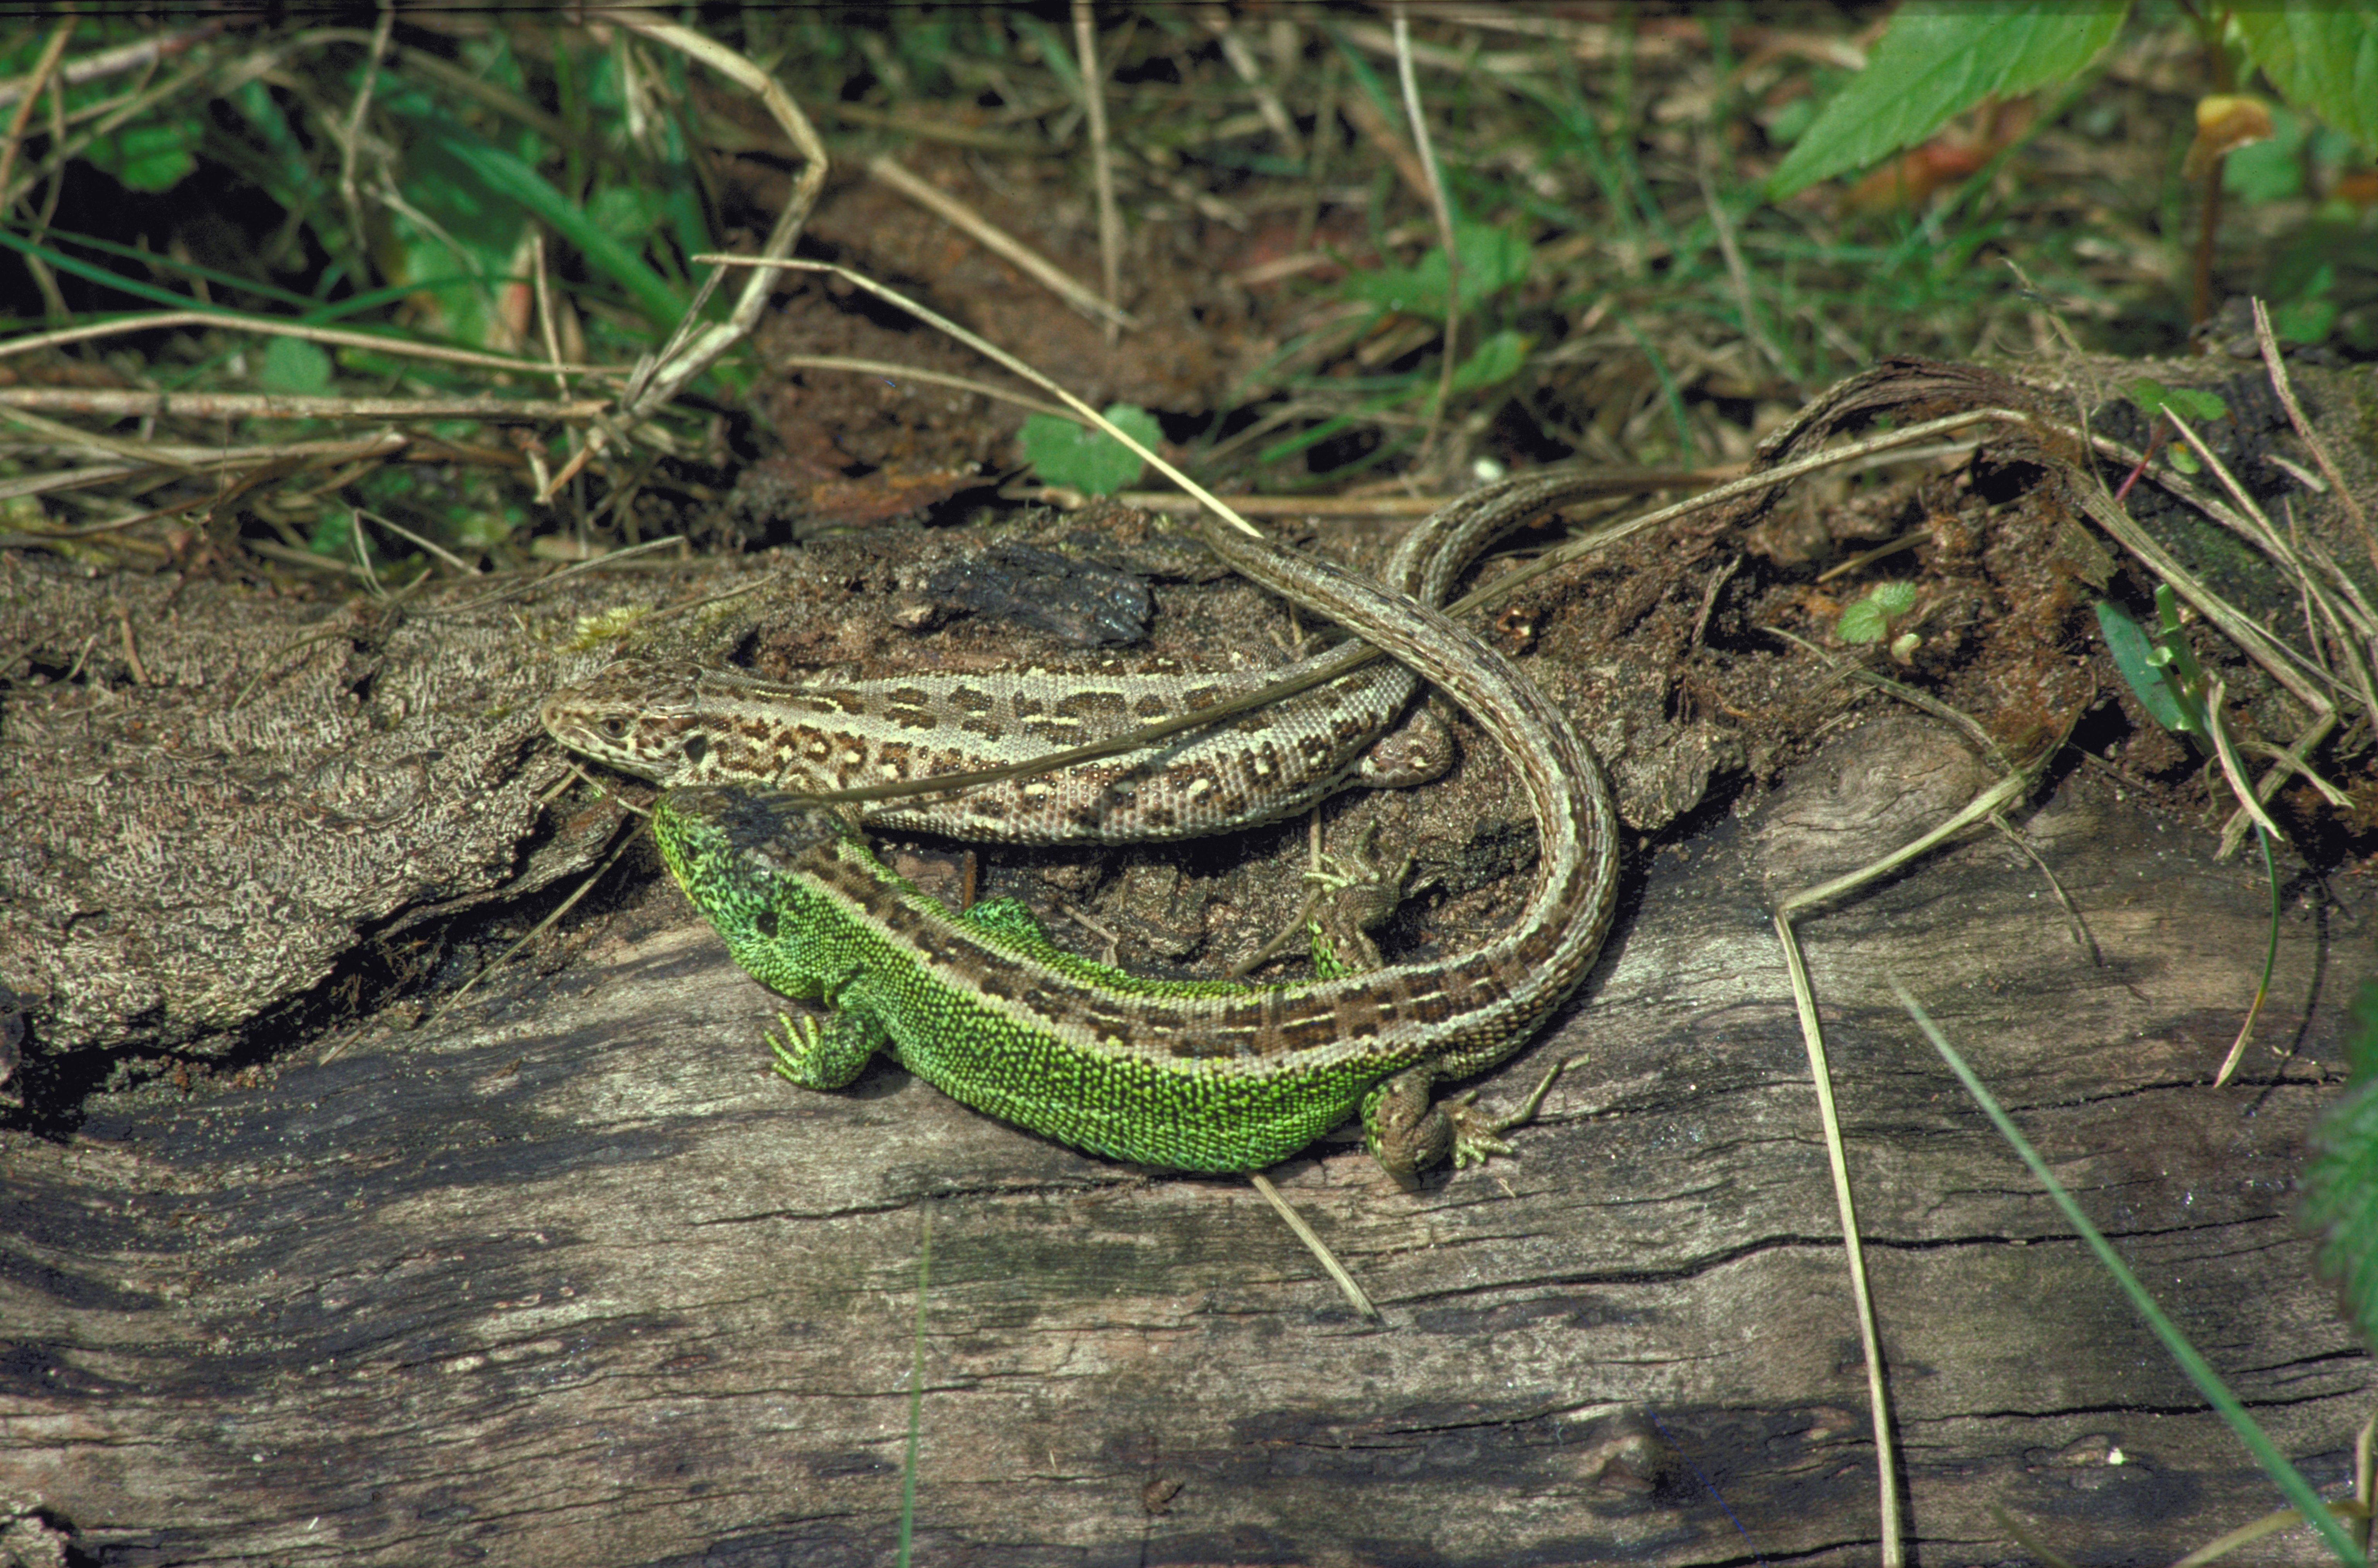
(1939, 59)
(1492, 261)
(149, 155)
(2183, 458)
(2268, 171)
(2305, 322)
(334, 532)
(1893, 599)
(1862, 622)
(1085, 460)
(2152, 397)
(2340, 1183)
(1495, 360)
(2322, 58)
(293, 365)
(2141, 663)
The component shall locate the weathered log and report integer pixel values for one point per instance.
(568, 1278)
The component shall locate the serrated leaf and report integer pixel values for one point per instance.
(1862, 622)
(2322, 57)
(1495, 360)
(2138, 660)
(2340, 1183)
(1939, 59)
(1085, 460)
(1893, 599)
(293, 365)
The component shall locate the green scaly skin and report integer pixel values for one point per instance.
(1195, 1076)
(807, 910)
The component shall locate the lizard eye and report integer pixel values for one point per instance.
(616, 727)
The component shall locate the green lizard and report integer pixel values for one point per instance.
(1197, 1075)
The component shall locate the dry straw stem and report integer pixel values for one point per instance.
(1445, 237)
(693, 348)
(1241, 59)
(1320, 1250)
(1983, 805)
(998, 241)
(265, 326)
(117, 403)
(2286, 392)
(2250, 524)
(1094, 104)
(39, 80)
(112, 62)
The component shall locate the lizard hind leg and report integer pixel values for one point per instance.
(1407, 1132)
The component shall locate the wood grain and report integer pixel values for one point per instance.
(568, 1278)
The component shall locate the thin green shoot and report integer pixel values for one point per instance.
(2289, 1481)
(1687, 452)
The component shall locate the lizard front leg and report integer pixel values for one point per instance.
(832, 1052)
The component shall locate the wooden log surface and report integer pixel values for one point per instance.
(565, 1278)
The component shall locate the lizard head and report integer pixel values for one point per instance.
(636, 716)
(736, 852)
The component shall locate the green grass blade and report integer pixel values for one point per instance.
(105, 279)
(508, 176)
(164, 263)
(2289, 1480)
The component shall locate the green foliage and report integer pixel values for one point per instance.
(2308, 317)
(293, 365)
(2162, 669)
(1086, 460)
(334, 532)
(149, 155)
(2340, 1184)
(2322, 57)
(1495, 361)
(1869, 619)
(2152, 397)
(2271, 170)
(1939, 59)
(1493, 260)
